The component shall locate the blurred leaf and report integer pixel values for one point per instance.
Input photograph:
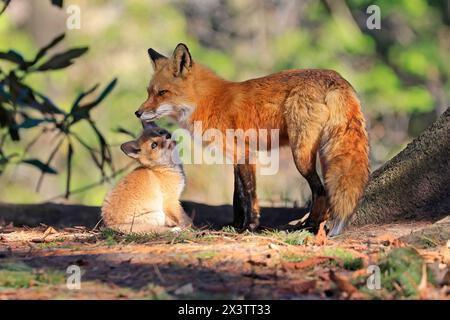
(13, 56)
(7, 120)
(49, 160)
(44, 50)
(69, 169)
(30, 123)
(14, 132)
(47, 105)
(105, 151)
(102, 95)
(92, 151)
(62, 60)
(3, 163)
(6, 3)
(82, 111)
(81, 96)
(58, 3)
(23, 95)
(40, 165)
(125, 131)
(4, 96)
(4, 118)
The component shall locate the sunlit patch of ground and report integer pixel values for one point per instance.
(224, 264)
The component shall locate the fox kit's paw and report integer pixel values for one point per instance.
(186, 222)
(175, 229)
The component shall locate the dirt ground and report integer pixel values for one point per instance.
(413, 262)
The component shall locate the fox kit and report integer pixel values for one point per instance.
(147, 199)
(316, 111)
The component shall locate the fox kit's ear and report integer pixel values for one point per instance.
(156, 57)
(131, 149)
(181, 59)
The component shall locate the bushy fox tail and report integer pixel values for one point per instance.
(344, 157)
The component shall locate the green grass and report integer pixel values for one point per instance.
(113, 237)
(54, 244)
(110, 236)
(293, 257)
(349, 261)
(428, 242)
(402, 268)
(229, 229)
(19, 275)
(401, 273)
(293, 238)
(155, 292)
(205, 255)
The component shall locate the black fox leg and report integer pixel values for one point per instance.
(245, 202)
(238, 194)
(319, 208)
(305, 143)
(319, 204)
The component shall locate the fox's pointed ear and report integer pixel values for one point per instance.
(131, 149)
(156, 57)
(181, 59)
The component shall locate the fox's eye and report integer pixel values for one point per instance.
(162, 92)
(154, 145)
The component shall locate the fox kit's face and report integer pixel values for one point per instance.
(170, 91)
(153, 148)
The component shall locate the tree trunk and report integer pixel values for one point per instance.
(414, 185)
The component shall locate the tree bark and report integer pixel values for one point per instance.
(414, 185)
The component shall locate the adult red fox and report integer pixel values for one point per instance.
(315, 111)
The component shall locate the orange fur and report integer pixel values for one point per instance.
(315, 110)
(147, 199)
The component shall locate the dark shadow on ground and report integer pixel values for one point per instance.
(135, 271)
(62, 215)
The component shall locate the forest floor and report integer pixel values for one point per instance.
(412, 261)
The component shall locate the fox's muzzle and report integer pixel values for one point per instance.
(149, 116)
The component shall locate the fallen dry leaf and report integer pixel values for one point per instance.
(423, 290)
(321, 237)
(305, 263)
(359, 273)
(273, 246)
(48, 231)
(345, 285)
(388, 239)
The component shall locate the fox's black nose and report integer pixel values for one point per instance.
(138, 113)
